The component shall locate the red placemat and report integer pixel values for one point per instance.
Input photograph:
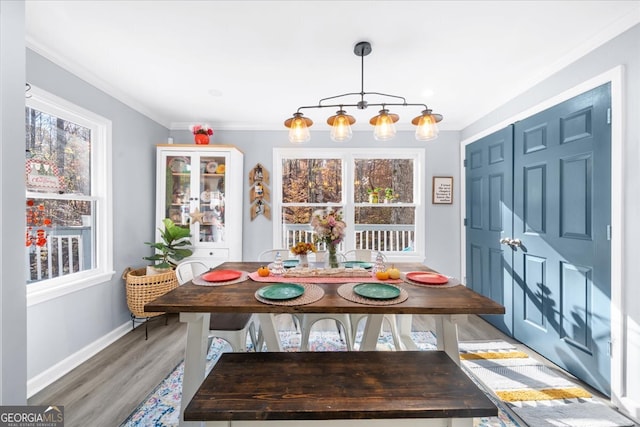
(280, 279)
(221, 275)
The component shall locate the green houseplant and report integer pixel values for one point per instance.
(173, 248)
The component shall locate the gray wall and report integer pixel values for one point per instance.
(441, 156)
(63, 326)
(13, 351)
(623, 50)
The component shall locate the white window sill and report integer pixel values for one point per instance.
(38, 293)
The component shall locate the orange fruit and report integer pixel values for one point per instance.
(263, 271)
(382, 275)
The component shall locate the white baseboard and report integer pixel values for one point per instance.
(42, 380)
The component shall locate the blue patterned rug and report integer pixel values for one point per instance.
(162, 407)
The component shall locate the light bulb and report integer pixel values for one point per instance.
(298, 128)
(427, 128)
(384, 128)
(341, 127)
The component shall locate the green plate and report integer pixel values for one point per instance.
(376, 291)
(281, 291)
(361, 264)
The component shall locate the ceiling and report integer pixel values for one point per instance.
(251, 64)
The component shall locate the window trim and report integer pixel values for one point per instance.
(348, 155)
(101, 191)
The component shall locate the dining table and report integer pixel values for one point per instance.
(450, 303)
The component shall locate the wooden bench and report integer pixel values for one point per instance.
(412, 388)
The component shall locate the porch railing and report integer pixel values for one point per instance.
(376, 237)
(65, 253)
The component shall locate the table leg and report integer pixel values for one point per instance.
(270, 331)
(371, 332)
(404, 330)
(447, 333)
(194, 358)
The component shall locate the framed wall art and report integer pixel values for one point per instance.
(442, 190)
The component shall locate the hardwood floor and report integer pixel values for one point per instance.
(105, 390)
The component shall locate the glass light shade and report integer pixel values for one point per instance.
(298, 130)
(384, 128)
(341, 128)
(427, 128)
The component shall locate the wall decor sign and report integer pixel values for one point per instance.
(442, 190)
(259, 195)
(43, 176)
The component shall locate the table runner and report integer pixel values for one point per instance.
(280, 279)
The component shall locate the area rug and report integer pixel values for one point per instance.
(539, 395)
(496, 367)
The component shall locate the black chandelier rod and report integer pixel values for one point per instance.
(381, 104)
(362, 49)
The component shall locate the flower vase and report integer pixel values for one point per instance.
(201, 138)
(304, 260)
(333, 257)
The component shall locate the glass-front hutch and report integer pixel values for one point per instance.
(200, 187)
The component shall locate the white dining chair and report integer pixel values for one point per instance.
(270, 255)
(231, 327)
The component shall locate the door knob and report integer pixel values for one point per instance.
(513, 243)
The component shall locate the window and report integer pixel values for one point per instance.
(380, 193)
(67, 243)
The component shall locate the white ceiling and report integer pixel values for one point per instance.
(251, 64)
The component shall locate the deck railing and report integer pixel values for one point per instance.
(376, 237)
(65, 253)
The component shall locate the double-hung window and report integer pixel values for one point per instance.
(380, 193)
(68, 199)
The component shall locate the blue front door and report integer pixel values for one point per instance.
(489, 219)
(556, 263)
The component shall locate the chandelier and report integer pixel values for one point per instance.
(384, 123)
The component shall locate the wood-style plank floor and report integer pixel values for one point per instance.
(104, 390)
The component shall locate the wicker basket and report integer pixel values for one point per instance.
(143, 288)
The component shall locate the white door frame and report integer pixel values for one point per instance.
(618, 333)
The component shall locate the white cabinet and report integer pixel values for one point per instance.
(200, 187)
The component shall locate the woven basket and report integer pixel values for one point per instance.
(143, 288)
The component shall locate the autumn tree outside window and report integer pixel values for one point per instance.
(66, 161)
(308, 180)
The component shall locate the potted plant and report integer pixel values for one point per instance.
(388, 195)
(374, 194)
(172, 248)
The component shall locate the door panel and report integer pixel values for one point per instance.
(562, 290)
(489, 218)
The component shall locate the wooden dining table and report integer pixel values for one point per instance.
(449, 304)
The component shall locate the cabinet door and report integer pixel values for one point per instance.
(175, 178)
(209, 198)
(193, 189)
